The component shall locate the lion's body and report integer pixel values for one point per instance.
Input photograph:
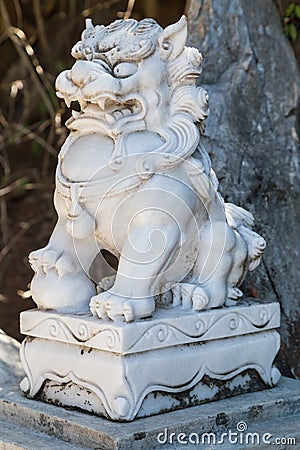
(127, 182)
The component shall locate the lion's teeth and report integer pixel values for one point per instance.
(75, 114)
(109, 119)
(117, 115)
(68, 102)
(82, 104)
(126, 112)
(101, 103)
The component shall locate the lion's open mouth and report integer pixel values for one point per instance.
(115, 110)
(100, 95)
(111, 110)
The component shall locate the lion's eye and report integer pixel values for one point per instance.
(125, 69)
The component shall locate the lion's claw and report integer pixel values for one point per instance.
(115, 307)
(234, 293)
(97, 307)
(43, 259)
(46, 260)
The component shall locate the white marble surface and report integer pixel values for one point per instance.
(168, 327)
(115, 385)
(111, 368)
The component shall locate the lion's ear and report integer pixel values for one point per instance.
(172, 39)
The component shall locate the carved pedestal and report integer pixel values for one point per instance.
(116, 369)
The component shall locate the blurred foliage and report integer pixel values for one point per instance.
(289, 13)
(292, 21)
(35, 41)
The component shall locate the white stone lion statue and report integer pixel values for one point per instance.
(134, 180)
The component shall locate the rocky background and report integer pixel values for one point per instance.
(252, 78)
(251, 74)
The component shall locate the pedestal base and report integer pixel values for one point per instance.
(123, 371)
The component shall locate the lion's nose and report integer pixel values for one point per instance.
(84, 72)
(78, 73)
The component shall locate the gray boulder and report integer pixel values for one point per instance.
(251, 75)
(10, 364)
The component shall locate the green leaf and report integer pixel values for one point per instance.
(36, 148)
(293, 32)
(297, 11)
(290, 9)
(21, 187)
(22, 182)
(42, 108)
(286, 31)
(4, 179)
(53, 98)
(60, 65)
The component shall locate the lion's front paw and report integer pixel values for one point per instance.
(43, 259)
(97, 305)
(46, 260)
(114, 307)
(65, 265)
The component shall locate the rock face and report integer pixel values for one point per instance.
(10, 365)
(252, 78)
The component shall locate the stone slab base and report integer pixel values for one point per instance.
(274, 412)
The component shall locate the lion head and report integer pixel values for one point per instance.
(131, 76)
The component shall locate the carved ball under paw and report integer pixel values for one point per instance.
(65, 294)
